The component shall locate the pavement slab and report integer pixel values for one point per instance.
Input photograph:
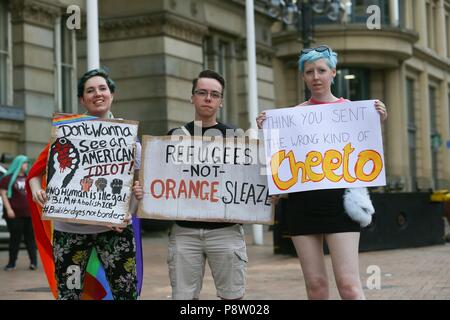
(416, 273)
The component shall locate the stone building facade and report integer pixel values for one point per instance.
(155, 48)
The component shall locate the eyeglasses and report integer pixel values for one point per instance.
(321, 48)
(215, 95)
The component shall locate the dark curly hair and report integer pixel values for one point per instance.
(100, 72)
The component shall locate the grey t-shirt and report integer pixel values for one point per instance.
(90, 228)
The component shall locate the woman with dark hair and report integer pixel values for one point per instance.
(17, 212)
(320, 214)
(72, 243)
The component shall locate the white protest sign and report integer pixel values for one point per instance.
(214, 179)
(324, 146)
(90, 169)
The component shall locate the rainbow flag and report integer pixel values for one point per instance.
(61, 119)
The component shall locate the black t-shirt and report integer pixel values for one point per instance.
(218, 129)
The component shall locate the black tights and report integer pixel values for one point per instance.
(18, 227)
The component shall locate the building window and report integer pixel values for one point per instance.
(224, 49)
(5, 54)
(352, 83)
(411, 133)
(435, 138)
(216, 53)
(205, 53)
(65, 67)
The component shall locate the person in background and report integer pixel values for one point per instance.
(16, 212)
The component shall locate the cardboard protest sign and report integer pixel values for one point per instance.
(209, 179)
(324, 146)
(90, 169)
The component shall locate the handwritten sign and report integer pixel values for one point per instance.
(214, 179)
(324, 147)
(90, 169)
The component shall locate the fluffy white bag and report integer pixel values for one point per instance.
(358, 205)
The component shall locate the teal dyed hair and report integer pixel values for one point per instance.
(14, 170)
(329, 55)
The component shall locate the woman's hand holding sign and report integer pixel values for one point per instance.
(138, 191)
(39, 194)
(381, 108)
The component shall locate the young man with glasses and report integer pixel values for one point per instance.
(191, 243)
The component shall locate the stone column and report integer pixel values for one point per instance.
(394, 14)
(420, 11)
(397, 144)
(409, 14)
(424, 164)
(445, 132)
(33, 64)
(265, 81)
(441, 34)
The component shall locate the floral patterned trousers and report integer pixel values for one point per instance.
(116, 251)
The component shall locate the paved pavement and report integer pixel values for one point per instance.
(417, 273)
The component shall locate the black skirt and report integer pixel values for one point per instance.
(318, 212)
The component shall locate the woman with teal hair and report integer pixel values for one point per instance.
(16, 211)
(321, 215)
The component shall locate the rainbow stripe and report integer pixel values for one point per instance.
(65, 119)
